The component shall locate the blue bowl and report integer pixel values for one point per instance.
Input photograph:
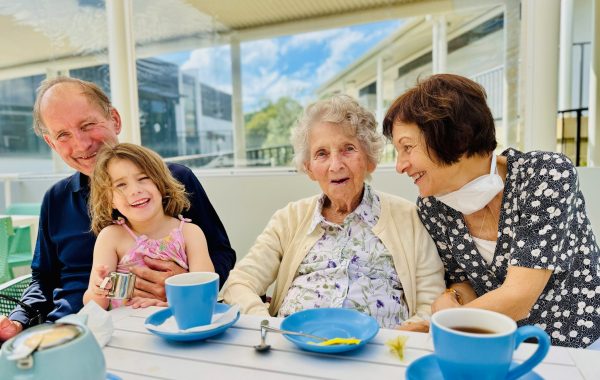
(330, 323)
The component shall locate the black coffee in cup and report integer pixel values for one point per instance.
(479, 344)
(473, 330)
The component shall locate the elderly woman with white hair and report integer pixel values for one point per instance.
(349, 247)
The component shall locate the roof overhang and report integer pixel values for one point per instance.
(73, 33)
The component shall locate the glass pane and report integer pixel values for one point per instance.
(184, 70)
(183, 115)
(17, 137)
(282, 75)
(41, 38)
(279, 77)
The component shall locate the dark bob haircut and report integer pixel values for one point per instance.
(452, 114)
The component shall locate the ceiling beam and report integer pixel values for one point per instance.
(394, 12)
(191, 42)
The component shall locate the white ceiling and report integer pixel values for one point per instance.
(37, 34)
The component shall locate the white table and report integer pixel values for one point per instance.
(26, 220)
(135, 353)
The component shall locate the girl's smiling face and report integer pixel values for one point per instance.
(135, 195)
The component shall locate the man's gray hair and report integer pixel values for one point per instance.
(341, 110)
(92, 92)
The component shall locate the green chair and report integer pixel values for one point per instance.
(14, 289)
(23, 209)
(20, 242)
(6, 232)
(8, 260)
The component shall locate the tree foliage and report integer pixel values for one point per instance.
(271, 125)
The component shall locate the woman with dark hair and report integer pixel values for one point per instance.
(511, 229)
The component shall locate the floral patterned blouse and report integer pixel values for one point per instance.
(543, 225)
(349, 267)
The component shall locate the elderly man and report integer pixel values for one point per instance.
(76, 119)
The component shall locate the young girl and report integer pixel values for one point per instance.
(133, 203)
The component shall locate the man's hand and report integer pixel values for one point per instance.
(150, 281)
(9, 328)
(137, 302)
(420, 326)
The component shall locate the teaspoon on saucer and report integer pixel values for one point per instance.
(264, 325)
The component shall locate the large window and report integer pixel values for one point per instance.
(41, 39)
(188, 102)
(279, 77)
(16, 101)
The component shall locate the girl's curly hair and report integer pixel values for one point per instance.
(102, 214)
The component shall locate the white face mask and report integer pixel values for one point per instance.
(476, 194)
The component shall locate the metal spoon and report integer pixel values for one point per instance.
(287, 332)
(263, 346)
(26, 348)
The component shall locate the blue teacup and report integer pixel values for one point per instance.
(479, 344)
(192, 297)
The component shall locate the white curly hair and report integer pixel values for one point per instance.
(341, 110)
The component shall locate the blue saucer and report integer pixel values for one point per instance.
(112, 376)
(159, 317)
(330, 323)
(427, 368)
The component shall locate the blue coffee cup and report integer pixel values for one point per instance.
(192, 298)
(479, 344)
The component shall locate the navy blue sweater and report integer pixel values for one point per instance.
(62, 260)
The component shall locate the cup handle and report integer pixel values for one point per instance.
(523, 333)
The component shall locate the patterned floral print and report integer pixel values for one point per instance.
(349, 267)
(543, 225)
(168, 248)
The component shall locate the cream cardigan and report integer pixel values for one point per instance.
(281, 247)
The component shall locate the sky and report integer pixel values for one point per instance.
(291, 66)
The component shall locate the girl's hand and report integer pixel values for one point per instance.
(100, 273)
(137, 302)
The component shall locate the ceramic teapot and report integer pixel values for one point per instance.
(62, 350)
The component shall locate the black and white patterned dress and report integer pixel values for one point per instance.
(543, 225)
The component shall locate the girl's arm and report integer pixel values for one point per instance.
(105, 261)
(196, 249)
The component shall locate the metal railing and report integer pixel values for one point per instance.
(200, 160)
(280, 155)
(566, 133)
(493, 82)
(277, 155)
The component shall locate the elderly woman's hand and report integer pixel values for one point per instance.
(420, 326)
(446, 300)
